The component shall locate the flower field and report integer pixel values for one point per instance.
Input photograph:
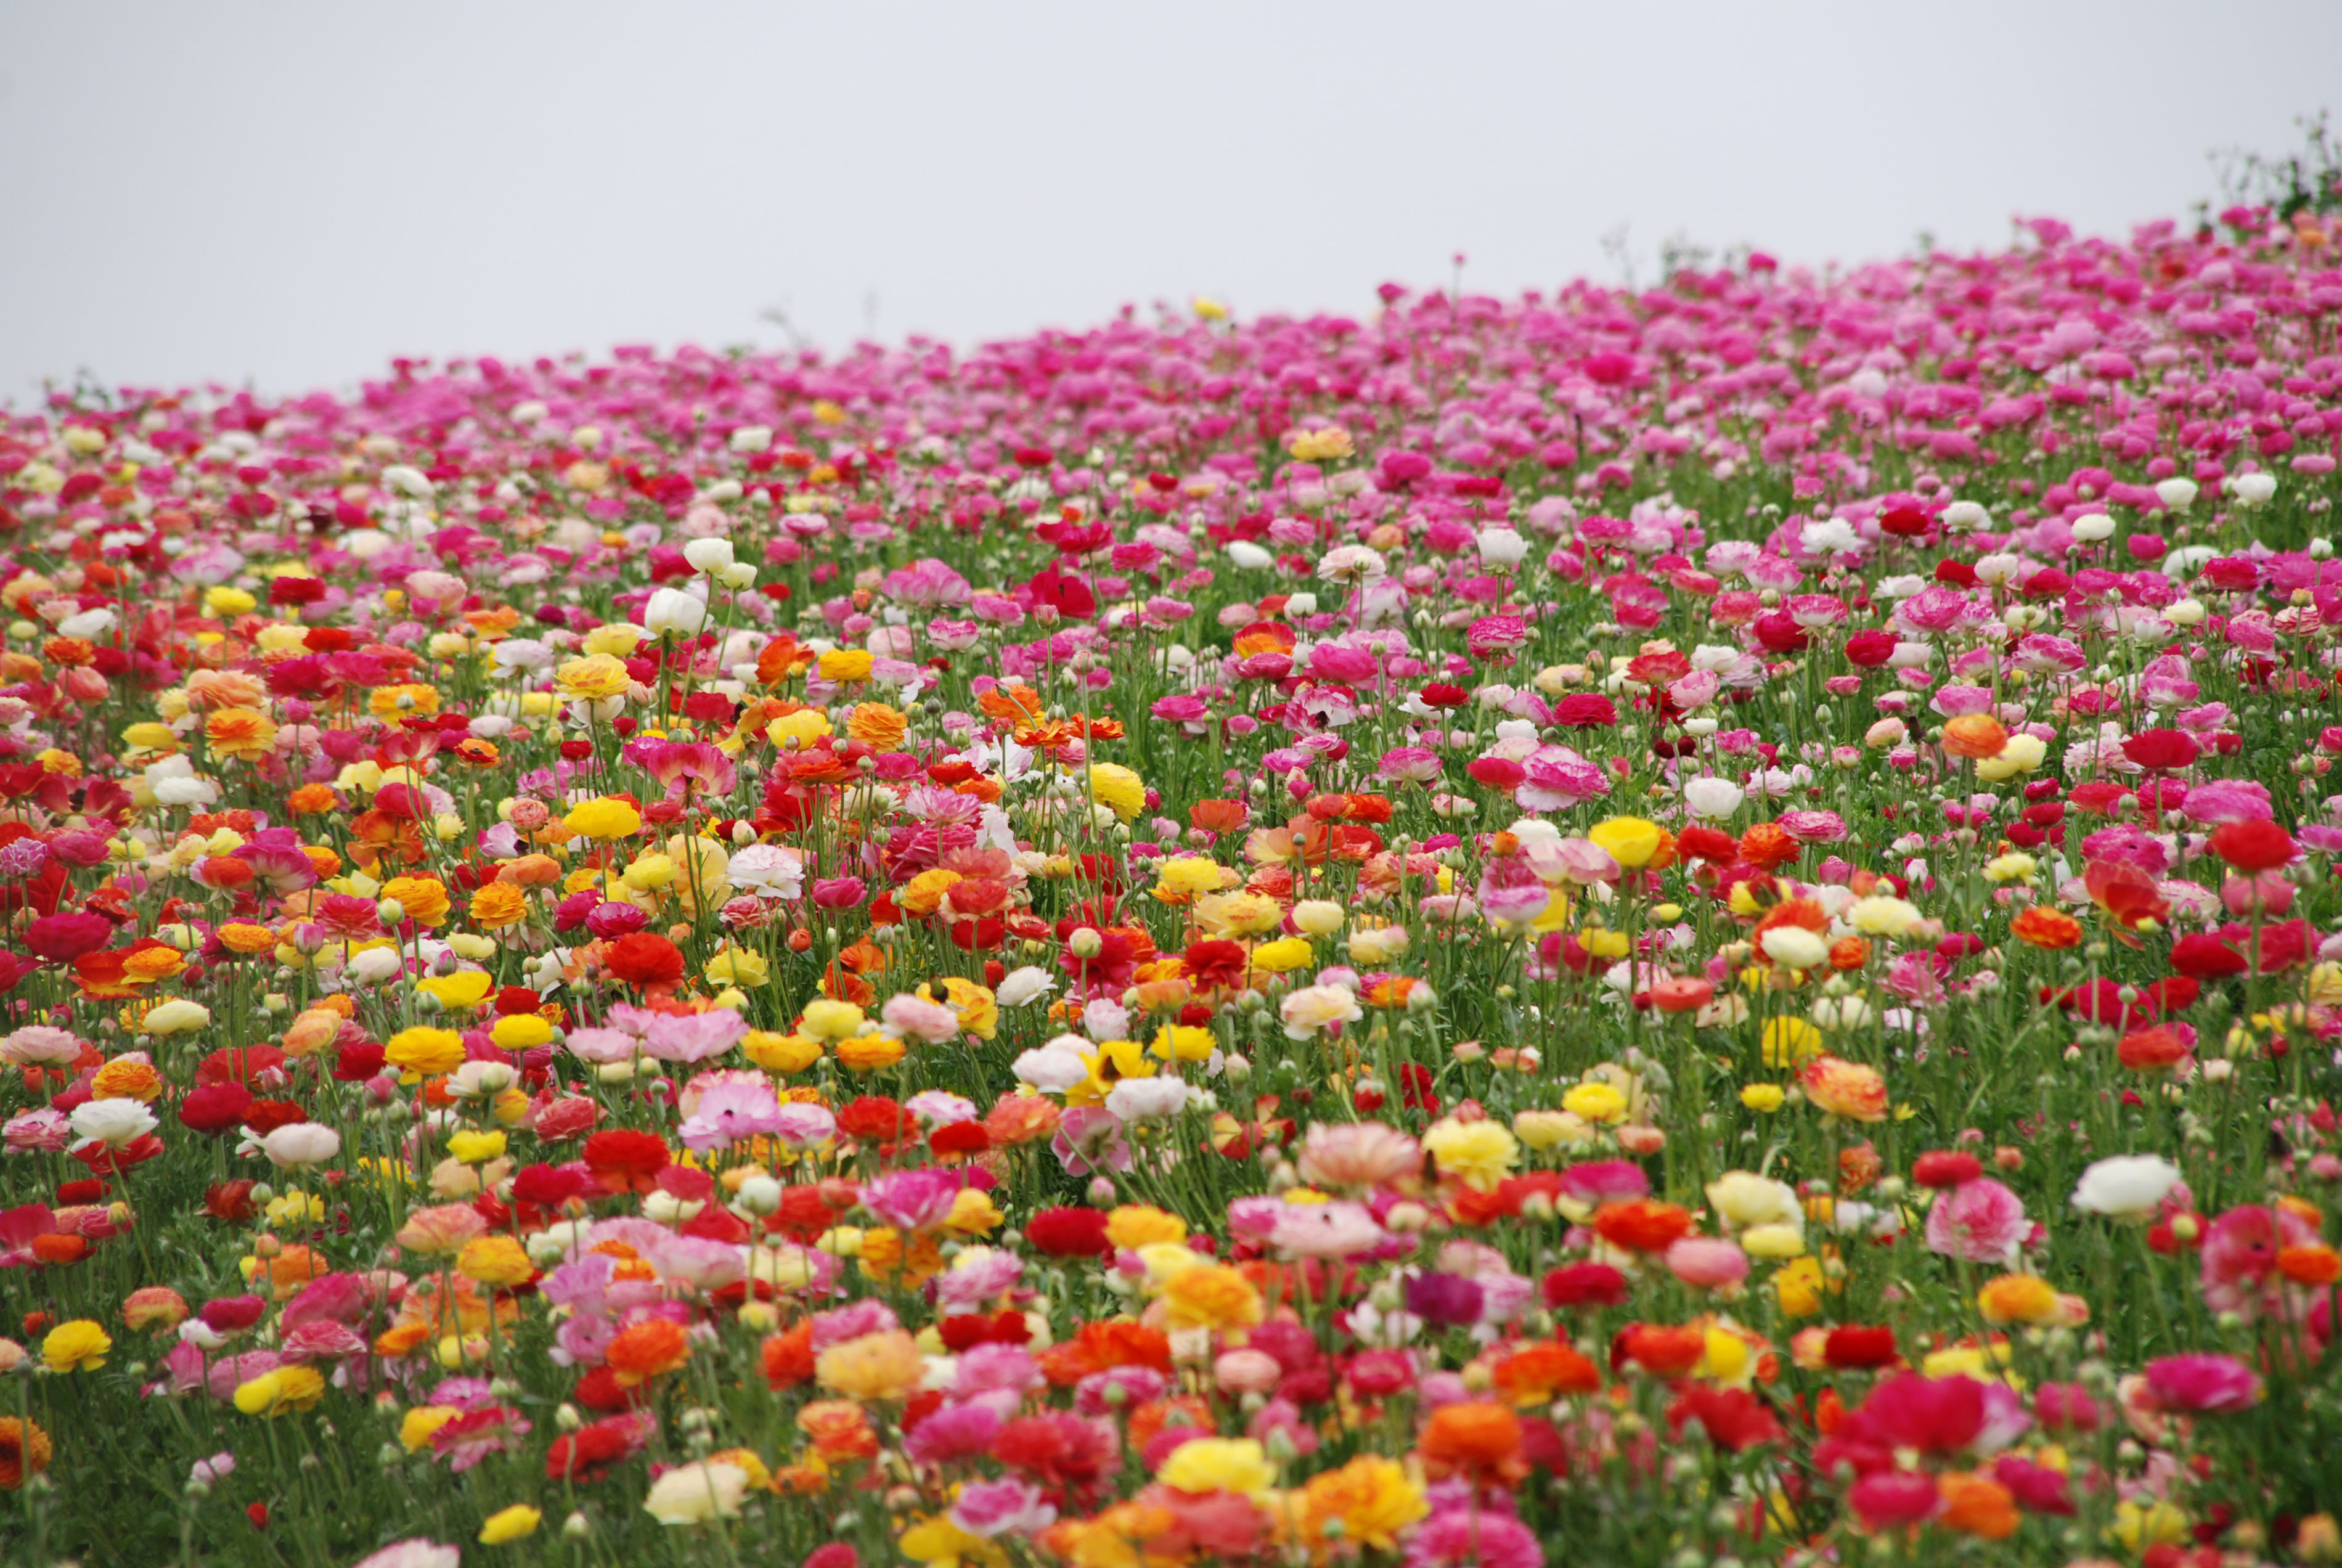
(1688, 926)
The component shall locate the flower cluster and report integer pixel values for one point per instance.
(1662, 926)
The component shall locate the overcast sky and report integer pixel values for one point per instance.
(292, 194)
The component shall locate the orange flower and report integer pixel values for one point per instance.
(498, 904)
(1976, 736)
(2314, 1265)
(838, 1431)
(1977, 1506)
(787, 1357)
(125, 1080)
(1844, 1088)
(1478, 1441)
(25, 1450)
(1767, 845)
(2053, 929)
(312, 800)
(240, 733)
(1663, 1350)
(1849, 953)
(875, 1366)
(646, 1350)
(1539, 1371)
(1642, 1224)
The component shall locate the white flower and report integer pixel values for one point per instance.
(1712, 799)
(1147, 1099)
(2126, 1184)
(1502, 548)
(407, 480)
(1029, 984)
(113, 1122)
(1052, 1069)
(88, 625)
(1964, 514)
(1313, 1008)
(1106, 1019)
(768, 871)
(708, 556)
(2254, 489)
(671, 611)
(1794, 947)
(1249, 555)
(523, 654)
(752, 438)
(2176, 494)
(300, 1144)
(2091, 530)
(697, 1493)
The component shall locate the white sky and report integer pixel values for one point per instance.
(292, 194)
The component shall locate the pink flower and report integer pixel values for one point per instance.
(1705, 1263)
(2202, 1383)
(1981, 1222)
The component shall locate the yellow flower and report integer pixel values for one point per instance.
(1595, 1102)
(1234, 1464)
(1797, 1287)
(464, 989)
(845, 664)
(1480, 1154)
(829, 1019)
(429, 1052)
(604, 817)
(520, 1030)
(476, 1148)
(1118, 789)
(875, 1366)
(1213, 1297)
(738, 966)
(76, 1345)
(416, 1427)
(940, 1544)
(1763, 1098)
(1370, 1498)
(1181, 880)
(1180, 1042)
(978, 1009)
(797, 731)
(1137, 1225)
(1238, 914)
(973, 1212)
(1543, 1130)
(595, 677)
(498, 1260)
(275, 1392)
(780, 1053)
(1283, 955)
(510, 1524)
(1631, 840)
(1788, 1042)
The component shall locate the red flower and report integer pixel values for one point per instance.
(1214, 964)
(1733, 1418)
(876, 1119)
(1854, 1347)
(215, 1108)
(62, 938)
(2253, 846)
(1945, 1168)
(641, 958)
(626, 1158)
(2162, 750)
(590, 1453)
(1069, 1232)
(264, 1116)
(1585, 1285)
(2201, 955)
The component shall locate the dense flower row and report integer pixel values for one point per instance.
(1669, 927)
